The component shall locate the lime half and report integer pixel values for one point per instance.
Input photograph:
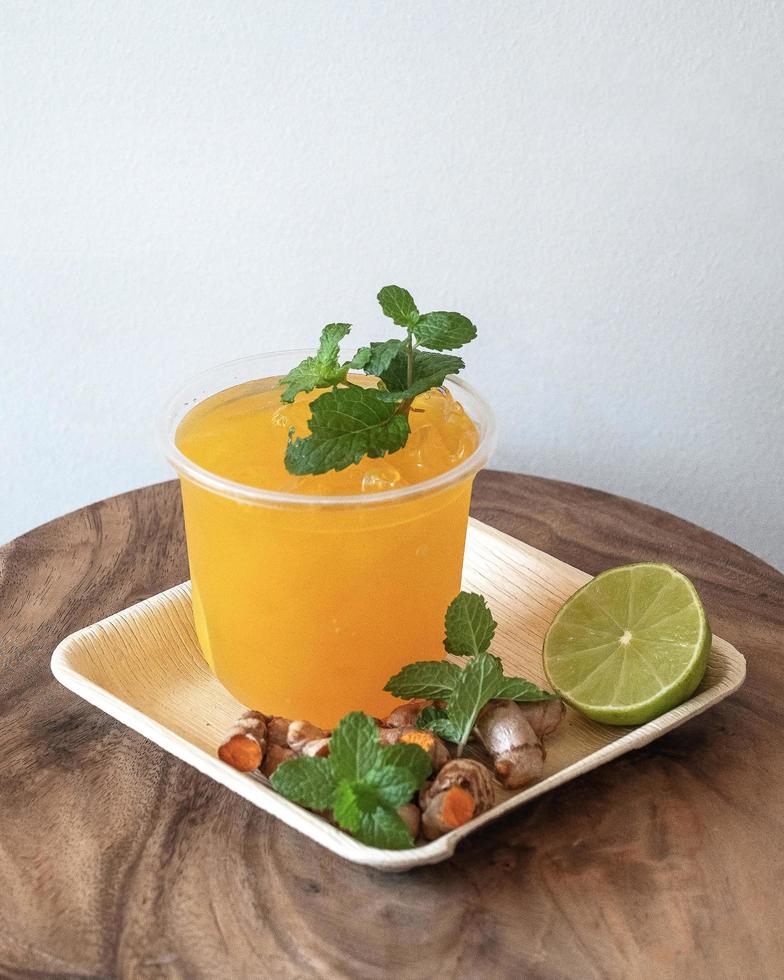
(629, 645)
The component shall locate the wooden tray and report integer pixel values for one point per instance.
(143, 667)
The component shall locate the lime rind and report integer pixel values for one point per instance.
(583, 649)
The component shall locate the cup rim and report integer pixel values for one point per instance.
(185, 467)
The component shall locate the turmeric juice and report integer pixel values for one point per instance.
(306, 604)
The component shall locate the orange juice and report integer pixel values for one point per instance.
(309, 592)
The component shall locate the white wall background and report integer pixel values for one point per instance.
(600, 185)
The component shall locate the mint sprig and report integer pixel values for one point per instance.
(346, 426)
(469, 627)
(361, 781)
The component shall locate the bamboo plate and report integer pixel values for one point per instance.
(143, 666)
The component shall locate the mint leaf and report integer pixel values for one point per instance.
(430, 371)
(519, 689)
(346, 809)
(347, 424)
(469, 625)
(383, 828)
(360, 810)
(354, 746)
(444, 728)
(322, 370)
(429, 679)
(377, 358)
(329, 343)
(409, 757)
(309, 782)
(394, 785)
(428, 715)
(398, 304)
(478, 683)
(361, 358)
(444, 331)
(309, 374)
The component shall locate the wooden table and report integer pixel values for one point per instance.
(118, 860)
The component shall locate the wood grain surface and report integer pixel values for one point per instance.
(117, 860)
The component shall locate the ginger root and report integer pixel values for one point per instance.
(245, 743)
(462, 789)
(516, 750)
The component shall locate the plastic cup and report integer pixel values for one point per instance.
(304, 606)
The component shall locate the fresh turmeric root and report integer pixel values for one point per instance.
(302, 734)
(278, 730)
(462, 789)
(405, 715)
(543, 716)
(316, 747)
(411, 816)
(515, 748)
(245, 744)
(409, 735)
(259, 742)
(275, 755)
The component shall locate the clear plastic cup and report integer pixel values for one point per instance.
(305, 606)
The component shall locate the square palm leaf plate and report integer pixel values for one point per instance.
(143, 666)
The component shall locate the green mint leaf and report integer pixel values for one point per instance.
(478, 683)
(469, 625)
(309, 374)
(398, 304)
(383, 828)
(360, 809)
(354, 746)
(444, 331)
(428, 715)
(322, 370)
(444, 728)
(430, 679)
(346, 809)
(347, 424)
(519, 689)
(361, 358)
(377, 358)
(329, 343)
(370, 781)
(430, 371)
(309, 782)
(410, 758)
(394, 786)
